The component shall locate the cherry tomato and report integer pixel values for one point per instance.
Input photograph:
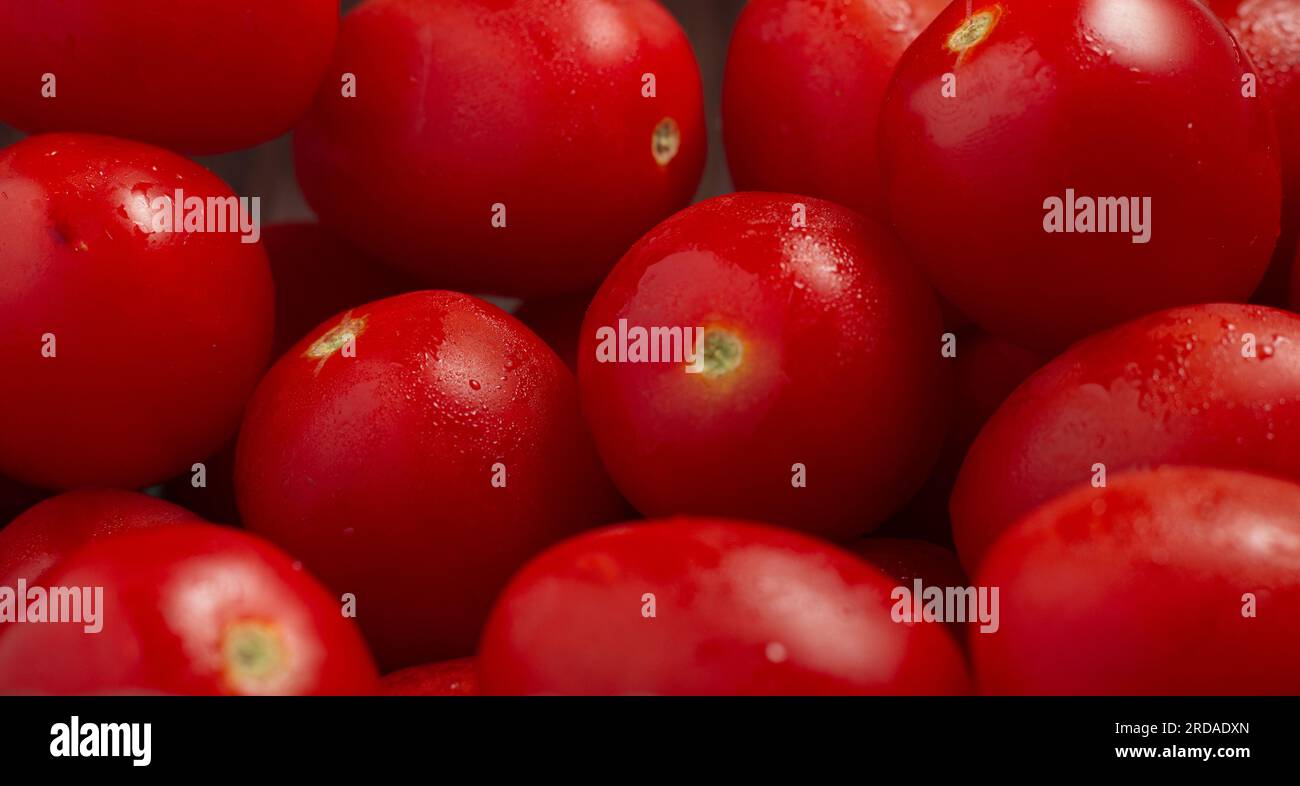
(1033, 115)
(420, 472)
(446, 678)
(204, 76)
(512, 148)
(987, 369)
(802, 93)
(49, 531)
(820, 348)
(700, 606)
(1269, 31)
(1215, 385)
(128, 353)
(190, 609)
(1167, 581)
(558, 322)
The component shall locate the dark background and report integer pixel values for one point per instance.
(267, 170)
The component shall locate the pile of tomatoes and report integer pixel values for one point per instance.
(316, 461)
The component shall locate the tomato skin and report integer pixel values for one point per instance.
(538, 107)
(740, 609)
(1070, 94)
(376, 470)
(802, 92)
(1170, 388)
(1098, 586)
(149, 325)
(50, 530)
(185, 606)
(208, 76)
(445, 678)
(1267, 30)
(836, 342)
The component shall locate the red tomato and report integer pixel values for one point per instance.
(802, 93)
(1147, 587)
(446, 678)
(1269, 31)
(1215, 385)
(49, 531)
(700, 606)
(820, 348)
(160, 336)
(204, 76)
(558, 322)
(15, 498)
(532, 107)
(987, 370)
(190, 609)
(1076, 100)
(378, 470)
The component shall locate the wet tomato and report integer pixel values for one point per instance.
(205, 76)
(1060, 166)
(445, 678)
(802, 93)
(128, 353)
(699, 606)
(817, 398)
(1215, 385)
(539, 140)
(1168, 581)
(1269, 31)
(414, 452)
(47, 532)
(189, 609)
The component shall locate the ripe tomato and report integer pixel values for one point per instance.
(529, 113)
(1269, 31)
(820, 348)
(382, 471)
(558, 322)
(205, 76)
(190, 609)
(1168, 581)
(1215, 385)
(700, 606)
(158, 336)
(445, 678)
(802, 93)
(317, 276)
(987, 369)
(1075, 100)
(49, 531)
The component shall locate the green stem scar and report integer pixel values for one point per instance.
(973, 30)
(665, 141)
(723, 352)
(253, 653)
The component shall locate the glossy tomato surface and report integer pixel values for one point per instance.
(1269, 31)
(1215, 385)
(801, 97)
(1169, 581)
(699, 606)
(445, 678)
(990, 117)
(157, 338)
(204, 76)
(47, 532)
(190, 609)
(820, 347)
(534, 106)
(383, 471)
